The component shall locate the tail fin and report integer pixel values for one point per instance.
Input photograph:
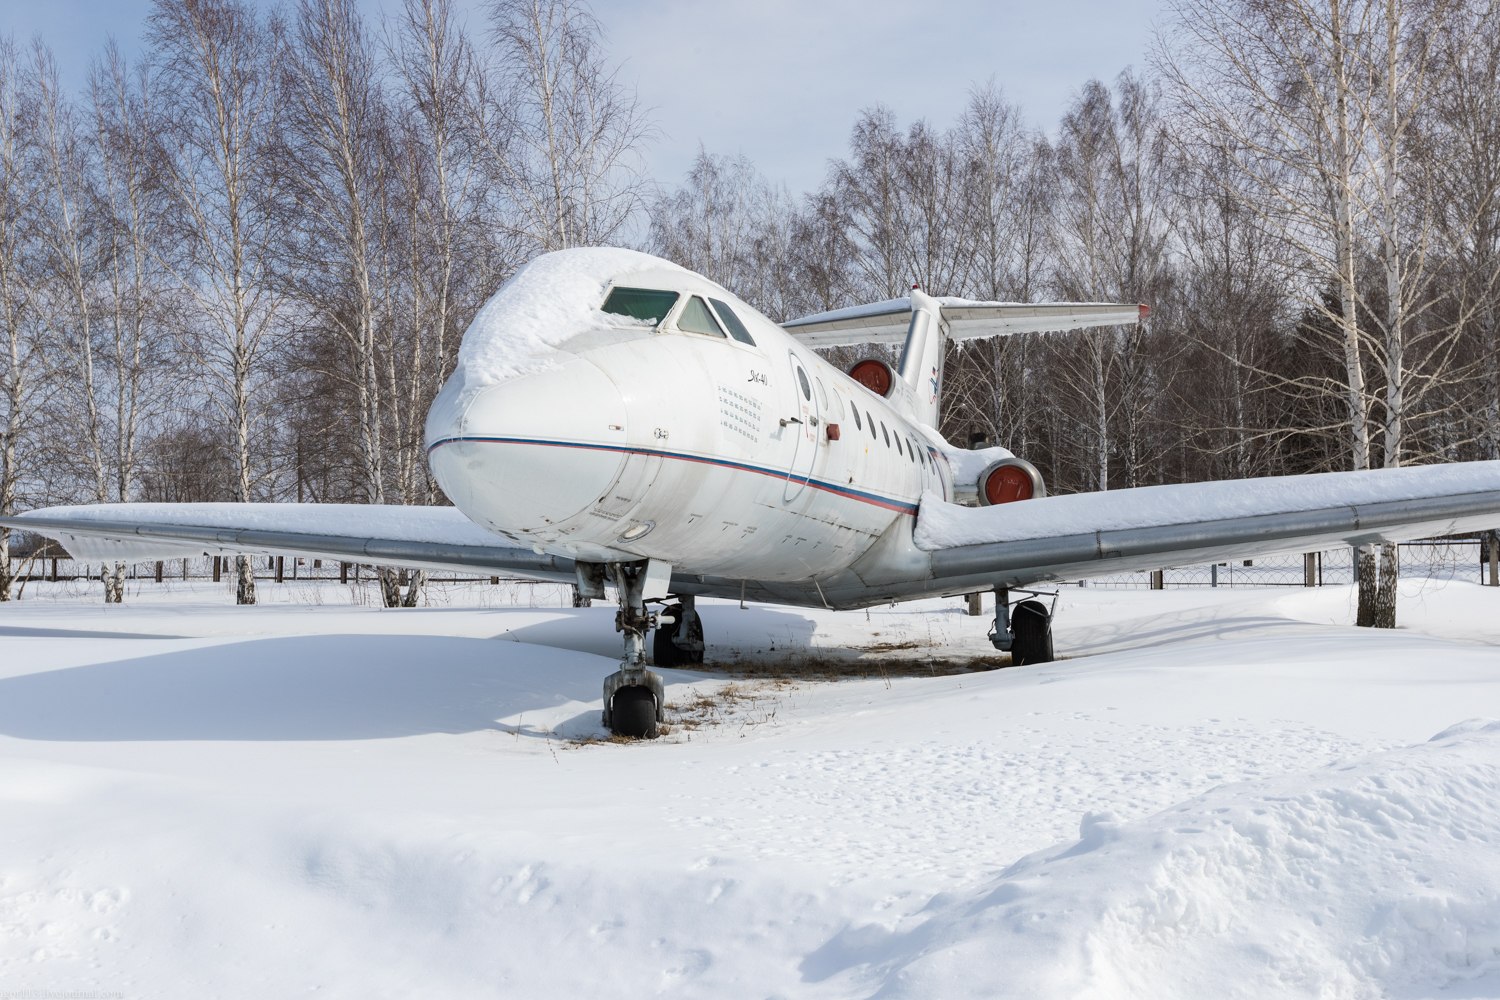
(921, 364)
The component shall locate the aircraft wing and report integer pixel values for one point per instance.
(1154, 527)
(887, 322)
(434, 538)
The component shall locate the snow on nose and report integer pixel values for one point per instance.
(528, 453)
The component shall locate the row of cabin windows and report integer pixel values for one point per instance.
(911, 451)
(652, 305)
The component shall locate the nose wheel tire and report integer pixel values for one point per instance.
(1031, 628)
(633, 713)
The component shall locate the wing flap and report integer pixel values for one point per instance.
(1095, 534)
(439, 538)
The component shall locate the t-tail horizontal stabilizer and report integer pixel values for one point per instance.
(923, 324)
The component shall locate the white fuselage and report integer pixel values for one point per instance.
(706, 453)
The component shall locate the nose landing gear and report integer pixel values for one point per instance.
(633, 695)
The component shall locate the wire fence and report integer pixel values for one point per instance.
(1442, 558)
(1438, 558)
(273, 568)
(292, 581)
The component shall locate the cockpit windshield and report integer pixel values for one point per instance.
(648, 304)
(695, 318)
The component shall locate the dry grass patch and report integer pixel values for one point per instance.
(816, 667)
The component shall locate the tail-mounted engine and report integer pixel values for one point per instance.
(875, 375)
(1008, 480)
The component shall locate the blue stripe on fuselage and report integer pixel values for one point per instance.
(899, 506)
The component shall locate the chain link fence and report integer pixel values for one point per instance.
(45, 576)
(1441, 558)
(1438, 558)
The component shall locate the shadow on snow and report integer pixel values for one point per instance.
(325, 687)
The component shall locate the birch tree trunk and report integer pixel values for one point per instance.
(218, 69)
(25, 370)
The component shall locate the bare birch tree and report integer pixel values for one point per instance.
(449, 268)
(732, 225)
(217, 71)
(1111, 226)
(24, 374)
(131, 287)
(563, 134)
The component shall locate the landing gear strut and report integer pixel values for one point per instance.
(1024, 631)
(633, 695)
(678, 639)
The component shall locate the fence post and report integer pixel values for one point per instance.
(343, 572)
(1495, 559)
(54, 569)
(976, 604)
(218, 567)
(1158, 579)
(281, 569)
(1213, 574)
(158, 570)
(1309, 569)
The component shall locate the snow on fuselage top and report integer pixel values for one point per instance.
(548, 302)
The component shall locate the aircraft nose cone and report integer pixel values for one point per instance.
(529, 453)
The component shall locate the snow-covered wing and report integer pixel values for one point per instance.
(1092, 534)
(439, 538)
(886, 322)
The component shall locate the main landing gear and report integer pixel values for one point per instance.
(1025, 630)
(678, 640)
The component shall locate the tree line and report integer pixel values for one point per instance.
(239, 268)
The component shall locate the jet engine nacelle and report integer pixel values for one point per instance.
(875, 375)
(1009, 480)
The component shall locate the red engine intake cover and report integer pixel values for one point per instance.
(1009, 480)
(873, 374)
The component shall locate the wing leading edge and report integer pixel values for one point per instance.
(1095, 534)
(434, 538)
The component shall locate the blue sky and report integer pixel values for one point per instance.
(778, 80)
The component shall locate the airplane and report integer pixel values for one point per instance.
(617, 421)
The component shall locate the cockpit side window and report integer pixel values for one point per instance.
(695, 318)
(736, 328)
(648, 304)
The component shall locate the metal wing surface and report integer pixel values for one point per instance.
(1096, 534)
(434, 538)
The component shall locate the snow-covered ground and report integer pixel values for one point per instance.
(1216, 793)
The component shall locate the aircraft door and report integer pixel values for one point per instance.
(803, 428)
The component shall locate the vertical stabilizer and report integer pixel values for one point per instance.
(921, 365)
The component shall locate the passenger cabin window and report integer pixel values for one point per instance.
(648, 304)
(855, 410)
(736, 328)
(696, 318)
